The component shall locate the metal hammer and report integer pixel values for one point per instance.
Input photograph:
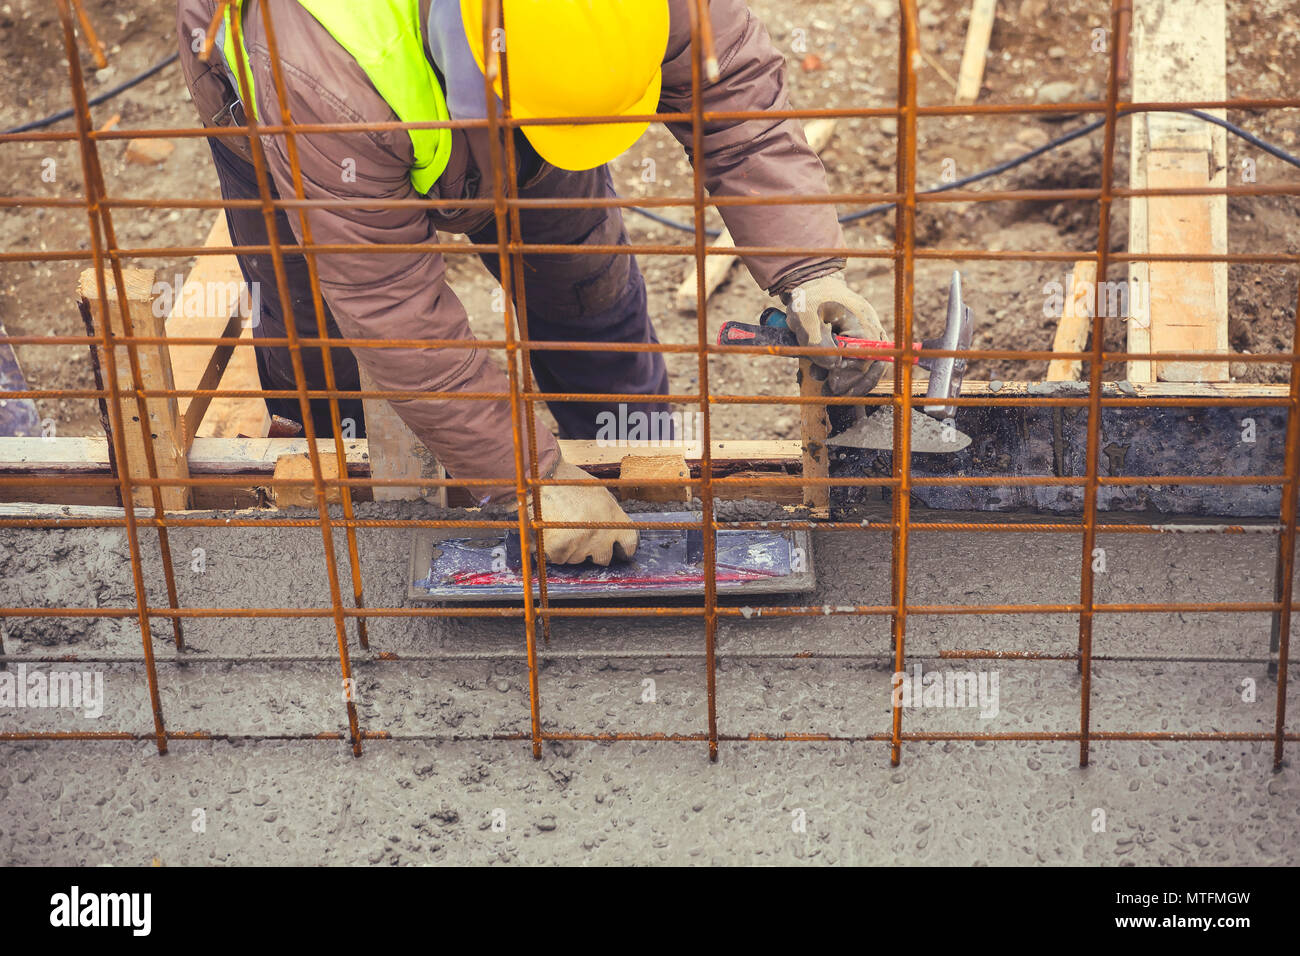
(946, 371)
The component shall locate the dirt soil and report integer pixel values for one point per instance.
(1037, 46)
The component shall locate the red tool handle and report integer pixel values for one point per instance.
(742, 333)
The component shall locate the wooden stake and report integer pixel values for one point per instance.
(1179, 53)
(816, 425)
(205, 306)
(978, 33)
(656, 467)
(1076, 322)
(165, 429)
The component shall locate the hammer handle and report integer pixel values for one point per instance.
(743, 333)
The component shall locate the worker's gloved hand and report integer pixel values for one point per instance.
(825, 304)
(575, 503)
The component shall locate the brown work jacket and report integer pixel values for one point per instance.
(406, 295)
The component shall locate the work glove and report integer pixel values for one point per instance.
(823, 305)
(576, 503)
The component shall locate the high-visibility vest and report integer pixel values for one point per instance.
(385, 39)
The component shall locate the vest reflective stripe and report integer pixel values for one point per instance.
(384, 37)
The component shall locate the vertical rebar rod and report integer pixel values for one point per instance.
(1091, 484)
(492, 16)
(699, 12)
(515, 220)
(318, 307)
(904, 306)
(1286, 550)
(93, 190)
(243, 74)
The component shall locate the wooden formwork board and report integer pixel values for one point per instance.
(1179, 53)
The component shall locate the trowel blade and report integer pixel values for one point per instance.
(877, 431)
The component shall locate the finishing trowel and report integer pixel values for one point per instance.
(877, 429)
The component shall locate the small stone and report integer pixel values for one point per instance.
(147, 152)
(503, 685)
(811, 63)
(546, 824)
(995, 385)
(1060, 91)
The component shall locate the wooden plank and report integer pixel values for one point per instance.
(592, 454)
(744, 484)
(978, 33)
(814, 426)
(654, 468)
(716, 269)
(1028, 438)
(298, 466)
(395, 452)
(1075, 324)
(1185, 304)
(164, 426)
(233, 456)
(1179, 53)
(54, 464)
(206, 307)
(818, 133)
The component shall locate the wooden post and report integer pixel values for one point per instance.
(205, 305)
(978, 33)
(395, 452)
(816, 425)
(1076, 323)
(165, 428)
(1179, 53)
(656, 468)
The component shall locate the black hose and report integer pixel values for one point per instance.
(102, 97)
(1002, 167)
(1015, 161)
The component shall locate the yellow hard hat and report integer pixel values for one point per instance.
(579, 58)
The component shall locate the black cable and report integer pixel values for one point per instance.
(1002, 167)
(1015, 161)
(102, 97)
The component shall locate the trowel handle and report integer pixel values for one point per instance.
(743, 333)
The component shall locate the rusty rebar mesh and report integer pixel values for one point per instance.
(107, 255)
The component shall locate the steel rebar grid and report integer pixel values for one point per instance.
(510, 248)
(318, 307)
(492, 16)
(243, 76)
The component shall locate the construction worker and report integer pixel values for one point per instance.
(344, 62)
